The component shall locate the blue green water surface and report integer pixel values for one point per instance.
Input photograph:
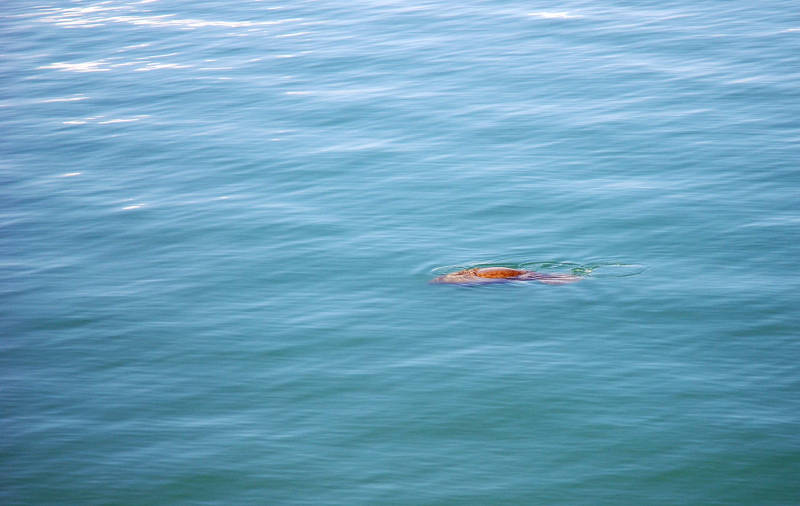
(218, 221)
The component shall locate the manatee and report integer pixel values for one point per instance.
(485, 275)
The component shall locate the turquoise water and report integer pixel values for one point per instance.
(219, 221)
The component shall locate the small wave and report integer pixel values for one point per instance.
(101, 15)
(553, 15)
(65, 99)
(122, 120)
(158, 66)
(145, 63)
(295, 34)
(91, 66)
(102, 121)
(594, 269)
(23, 102)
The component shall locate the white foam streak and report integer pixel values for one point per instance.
(86, 17)
(64, 99)
(158, 66)
(91, 66)
(296, 34)
(105, 66)
(123, 120)
(105, 122)
(161, 20)
(552, 15)
(135, 46)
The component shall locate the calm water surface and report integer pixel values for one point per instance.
(218, 221)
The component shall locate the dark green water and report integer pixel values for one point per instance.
(218, 222)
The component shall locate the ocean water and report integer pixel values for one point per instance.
(218, 221)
